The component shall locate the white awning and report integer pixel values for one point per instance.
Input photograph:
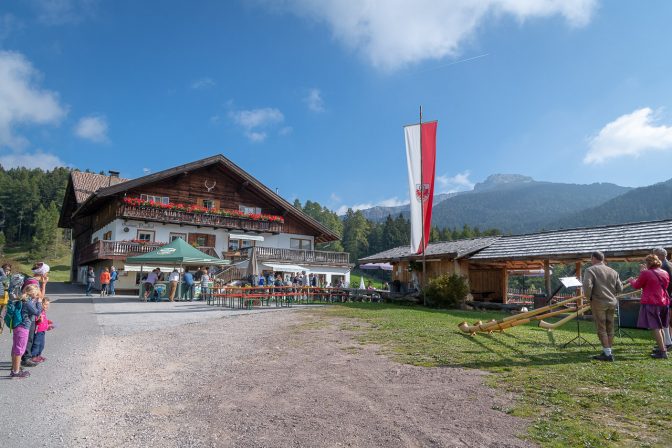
(136, 268)
(284, 267)
(327, 270)
(242, 236)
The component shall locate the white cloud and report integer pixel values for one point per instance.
(314, 100)
(202, 83)
(254, 122)
(391, 202)
(334, 197)
(256, 137)
(629, 135)
(37, 160)
(22, 102)
(62, 12)
(92, 128)
(286, 130)
(458, 182)
(395, 33)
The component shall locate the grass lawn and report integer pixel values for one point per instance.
(570, 400)
(21, 261)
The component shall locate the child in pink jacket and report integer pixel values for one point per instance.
(42, 325)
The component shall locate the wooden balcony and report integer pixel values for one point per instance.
(311, 257)
(196, 219)
(120, 250)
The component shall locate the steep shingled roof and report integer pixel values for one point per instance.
(119, 187)
(85, 184)
(625, 240)
(452, 249)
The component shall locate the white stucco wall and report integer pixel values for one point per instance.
(162, 233)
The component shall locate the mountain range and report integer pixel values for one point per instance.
(515, 204)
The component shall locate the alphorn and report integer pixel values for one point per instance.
(562, 322)
(518, 319)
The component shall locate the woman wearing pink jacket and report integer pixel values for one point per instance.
(654, 308)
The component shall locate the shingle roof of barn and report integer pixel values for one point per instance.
(452, 249)
(614, 240)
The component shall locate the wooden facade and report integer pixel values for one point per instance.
(95, 203)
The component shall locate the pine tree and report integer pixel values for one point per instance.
(45, 240)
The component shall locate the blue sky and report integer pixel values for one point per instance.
(310, 97)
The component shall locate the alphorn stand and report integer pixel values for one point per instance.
(578, 340)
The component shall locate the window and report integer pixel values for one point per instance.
(249, 210)
(146, 235)
(209, 204)
(201, 241)
(159, 199)
(107, 236)
(235, 245)
(296, 243)
(174, 236)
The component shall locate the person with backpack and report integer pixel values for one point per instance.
(20, 317)
(114, 276)
(5, 273)
(90, 280)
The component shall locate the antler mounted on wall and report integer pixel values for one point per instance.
(209, 188)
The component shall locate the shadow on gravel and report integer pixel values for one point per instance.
(82, 300)
(207, 310)
(5, 365)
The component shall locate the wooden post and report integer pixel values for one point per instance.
(505, 285)
(579, 291)
(547, 278)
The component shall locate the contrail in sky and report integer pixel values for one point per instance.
(452, 63)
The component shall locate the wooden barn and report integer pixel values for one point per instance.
(487, 262)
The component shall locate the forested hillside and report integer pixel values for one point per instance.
(641, 204)
(30, 203)
(512, 203)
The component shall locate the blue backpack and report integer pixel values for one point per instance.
(14, 317)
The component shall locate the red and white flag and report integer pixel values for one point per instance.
(421, 148)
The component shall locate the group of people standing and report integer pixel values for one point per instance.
(201, 277)
(108, 277)
(601, 284)
(23, 311)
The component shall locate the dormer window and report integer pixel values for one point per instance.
(156, 199)
(249, 210)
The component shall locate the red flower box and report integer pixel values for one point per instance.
(193, 208)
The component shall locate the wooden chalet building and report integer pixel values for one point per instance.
(211, 203)
(487, 262)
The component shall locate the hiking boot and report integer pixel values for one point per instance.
(28, 363)
(659, 355)
(19, 374)
(603, 357)
(656, 349)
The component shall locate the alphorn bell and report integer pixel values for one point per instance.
(518, 319)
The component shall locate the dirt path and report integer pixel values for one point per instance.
(277, 379)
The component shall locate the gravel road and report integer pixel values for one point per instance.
(167, 375)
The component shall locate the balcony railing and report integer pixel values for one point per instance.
(113, 250)
(197, 219)
(301, 256)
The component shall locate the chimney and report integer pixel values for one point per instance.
(113, 174)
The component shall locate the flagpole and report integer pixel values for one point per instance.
(422, 215)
